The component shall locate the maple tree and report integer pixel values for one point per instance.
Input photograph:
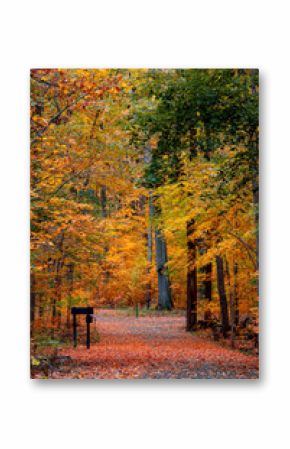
(144, 192)
(82, 188)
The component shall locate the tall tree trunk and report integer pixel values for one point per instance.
(56, 311)
(104, 201)
(236, 298)
(255, 190)
(104, 211)
(149, 252)
(70, 278)
(222, 295)
(191, 310)
(58, 294)
(164, 293)
(147, 160)
(208, 281)
(32, 301)
(232, 305)
(191, 302)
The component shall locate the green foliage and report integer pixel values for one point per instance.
(200, 111)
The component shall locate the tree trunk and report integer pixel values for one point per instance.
(32, 301)
(147, 160)
(70, 278)
(232, 306)
(191, 302)
(164, 293)
(236, 298)
(104, 201)
(222, 295)
(255, 190)
(191, 312)
(149, 252)
(56, 310)
(104, 211)
(208, 282)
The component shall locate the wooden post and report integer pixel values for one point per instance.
(88, 320)
(75, 330)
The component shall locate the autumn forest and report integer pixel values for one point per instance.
(145, 206)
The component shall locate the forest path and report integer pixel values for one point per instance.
(153, 347)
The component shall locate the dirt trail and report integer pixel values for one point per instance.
(153, 347)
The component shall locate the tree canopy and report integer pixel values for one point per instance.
(119, 155)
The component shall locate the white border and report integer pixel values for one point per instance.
(213, 414)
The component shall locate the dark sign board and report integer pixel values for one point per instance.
(82, 310)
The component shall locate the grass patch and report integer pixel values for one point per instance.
(143, 312)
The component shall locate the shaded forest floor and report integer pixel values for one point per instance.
(151, 347)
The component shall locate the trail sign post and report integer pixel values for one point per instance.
(88, 311)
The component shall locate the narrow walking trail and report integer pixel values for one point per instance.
(153, 347)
